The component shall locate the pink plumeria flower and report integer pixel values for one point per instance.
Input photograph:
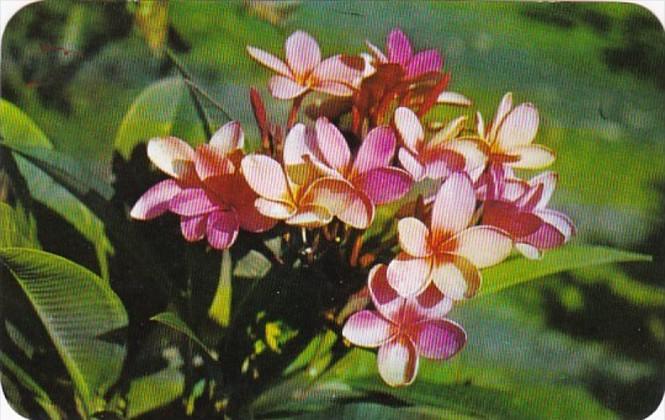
(206, 189)
(403, 330)
(442, 154)
(296, 193)
(520, 208)
(510, 136)
(369, 174)
(448, 253)
(304, 70)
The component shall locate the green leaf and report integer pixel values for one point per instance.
(17, 129)
(519, 269)
(16, 228)
(40, 396)
(159, 111)
(77, 310)
(253, 265)
(172, 320)
(150, 392)
(220, 308)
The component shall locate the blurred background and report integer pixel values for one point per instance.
(590, 341)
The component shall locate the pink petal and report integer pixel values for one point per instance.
(228, 138)
(546, 237)
(281, 87)
(446, 134)
(507, 217)
(559, 220)
(432, 304)
(475, 152)
(399, 47)
(398, 361)
(385, 298)
(442, 163)
(367, 329)
(302, 53)
(438, 339)
(529, 251)
(548, 180)
(424, 62)
(222, 229)
(278, 210)
(351, 206)
(533, 156)
(334, 69)
(269, 61)
(502, 110)
(519, 128)
(513, 189)
(333, 88)
(173, 156)
(192, 202)
(310, 216)
(409, 275)
(193, 228)
(376, 52)
(243, 200)
(454, 98)
(155, 201)
(411, 163)
(409, 128)
(453, 207)
(210, 162)
(484, 246)
(456, 277)
(299, 151)
(332, 144)
(376, 151)
(266, 177)
(413, 237)
(384, 185)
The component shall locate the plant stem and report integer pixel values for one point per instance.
(295, 107)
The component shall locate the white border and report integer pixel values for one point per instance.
(9, 8)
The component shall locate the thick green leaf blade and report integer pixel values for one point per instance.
(77, 310)
(172, 320)
(17, 129)
(16, 228)
(220, 308)
(519, 270)
(150, 392)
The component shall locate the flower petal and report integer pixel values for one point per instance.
(350, 205)
(385, 298)
(266, 177)
(310, 216)
(507, 217)
(438, 339)
(413, 237)
(299, 152)
(193, 228)
(367, 329)
(411, 163)
(228, 138)
(456, 277)
(332, 145)
(559, 220)
(384, 185)
(398, 361)
(333, 88)
(222, 229)
(212, 162)
(155, 201)
(192, 202)
(529, 251)
(274, 209)
(399, 47)
(409, 128)
(269, 61)
(424, 62)
(409, 275)
(548, 180)
(453, 98)
(282, 87)
(376, 52)
(484, 246)
(173, 157)
(546, 237)
(302, 53)
(453, 207)
(376, 151)
(336, 70)
(432, 304)
(533, 156)
(502, 110)
(519, 128)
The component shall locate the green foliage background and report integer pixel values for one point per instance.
(587, 343)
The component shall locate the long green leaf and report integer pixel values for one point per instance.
(220, 308)
(152, 391)
(172, 320)
(519, 270)
(77, 310)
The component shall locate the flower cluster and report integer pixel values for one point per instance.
(365, 146)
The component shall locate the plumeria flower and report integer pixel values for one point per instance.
(403, 330)
(441, 155)
(369, 174)
(510, 136)
(400, 51)
(295, 192)
(304, 70)
(206, 188)
(448, 253)
(520, 208)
